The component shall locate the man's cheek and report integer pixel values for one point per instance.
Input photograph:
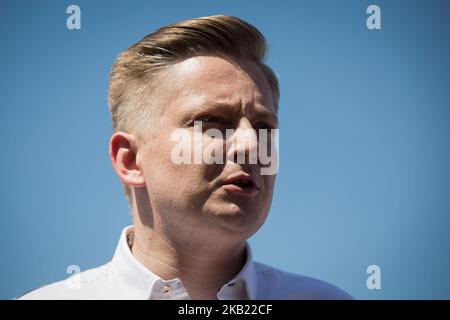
(270, 183)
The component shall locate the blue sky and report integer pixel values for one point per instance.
(364, 137)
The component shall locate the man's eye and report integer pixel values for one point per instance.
(263, 125)
(212, 121)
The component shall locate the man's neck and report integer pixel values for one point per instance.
(203, 269)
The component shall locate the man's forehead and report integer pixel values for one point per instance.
(207, 67)
(214, 79)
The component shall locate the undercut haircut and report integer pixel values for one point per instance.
(134, 75)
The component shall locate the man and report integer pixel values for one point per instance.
(205, 77)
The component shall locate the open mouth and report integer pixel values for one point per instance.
(242, 185)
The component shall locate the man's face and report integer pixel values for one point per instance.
(199, 198)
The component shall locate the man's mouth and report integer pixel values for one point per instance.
(241, 184)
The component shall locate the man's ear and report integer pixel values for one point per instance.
(122, 151)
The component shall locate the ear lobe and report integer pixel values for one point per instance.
(122, 152)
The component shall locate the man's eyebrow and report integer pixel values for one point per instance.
(260, 111)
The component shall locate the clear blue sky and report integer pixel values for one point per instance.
(365, 149)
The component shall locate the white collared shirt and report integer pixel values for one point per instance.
(126, 278)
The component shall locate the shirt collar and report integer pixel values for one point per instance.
(247, 276)
(137, 282)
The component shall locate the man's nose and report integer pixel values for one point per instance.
(243, 144)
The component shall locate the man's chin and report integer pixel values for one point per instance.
(233, 210)
(235, 218)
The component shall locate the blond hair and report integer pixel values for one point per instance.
(131, 86)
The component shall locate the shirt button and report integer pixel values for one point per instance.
(166, 289)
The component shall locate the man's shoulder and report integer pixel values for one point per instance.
(278, 284)
(89, 284)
